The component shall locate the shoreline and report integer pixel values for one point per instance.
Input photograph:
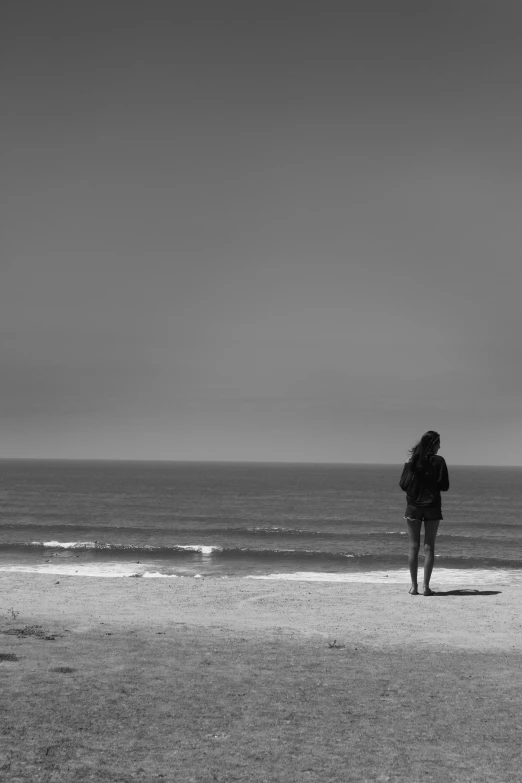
(443, 577)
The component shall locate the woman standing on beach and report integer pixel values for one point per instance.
(424, 477)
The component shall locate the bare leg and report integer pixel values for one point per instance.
(430, 533)
(414, 528)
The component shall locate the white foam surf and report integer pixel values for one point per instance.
(205, 550)
(157, 575)
(201, 548)
(66, 544)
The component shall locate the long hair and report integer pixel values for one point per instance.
(420, 453)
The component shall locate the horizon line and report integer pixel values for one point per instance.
(233, 461)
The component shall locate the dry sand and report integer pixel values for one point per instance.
(373, 615)
(237, 679)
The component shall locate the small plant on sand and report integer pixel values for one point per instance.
(334, 646)
(12, 612)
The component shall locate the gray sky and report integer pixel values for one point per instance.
(264, 231)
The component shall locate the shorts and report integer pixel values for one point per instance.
(423, 513)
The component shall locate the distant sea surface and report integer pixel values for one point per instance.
(275, 521)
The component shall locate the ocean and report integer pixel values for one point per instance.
(265, 521)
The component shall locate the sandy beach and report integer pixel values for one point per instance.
(368, 614)
(253, 680)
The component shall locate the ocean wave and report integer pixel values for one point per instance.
(207, 549)
(166, 551)
(281, 531)
(179, 530)
(100, 546)
(202, 548)
(347, 539)
(229, 557)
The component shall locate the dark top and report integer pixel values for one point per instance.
(424, 488)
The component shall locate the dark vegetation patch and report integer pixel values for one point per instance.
(9, 657)
(27, 630)
(31, 630)
(63, 670)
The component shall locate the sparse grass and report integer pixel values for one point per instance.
(198, 705)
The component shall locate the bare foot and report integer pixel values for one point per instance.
(413, 590)
(427, 591)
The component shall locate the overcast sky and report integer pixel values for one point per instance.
(261, 230)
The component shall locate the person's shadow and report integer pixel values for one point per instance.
(467, 592)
